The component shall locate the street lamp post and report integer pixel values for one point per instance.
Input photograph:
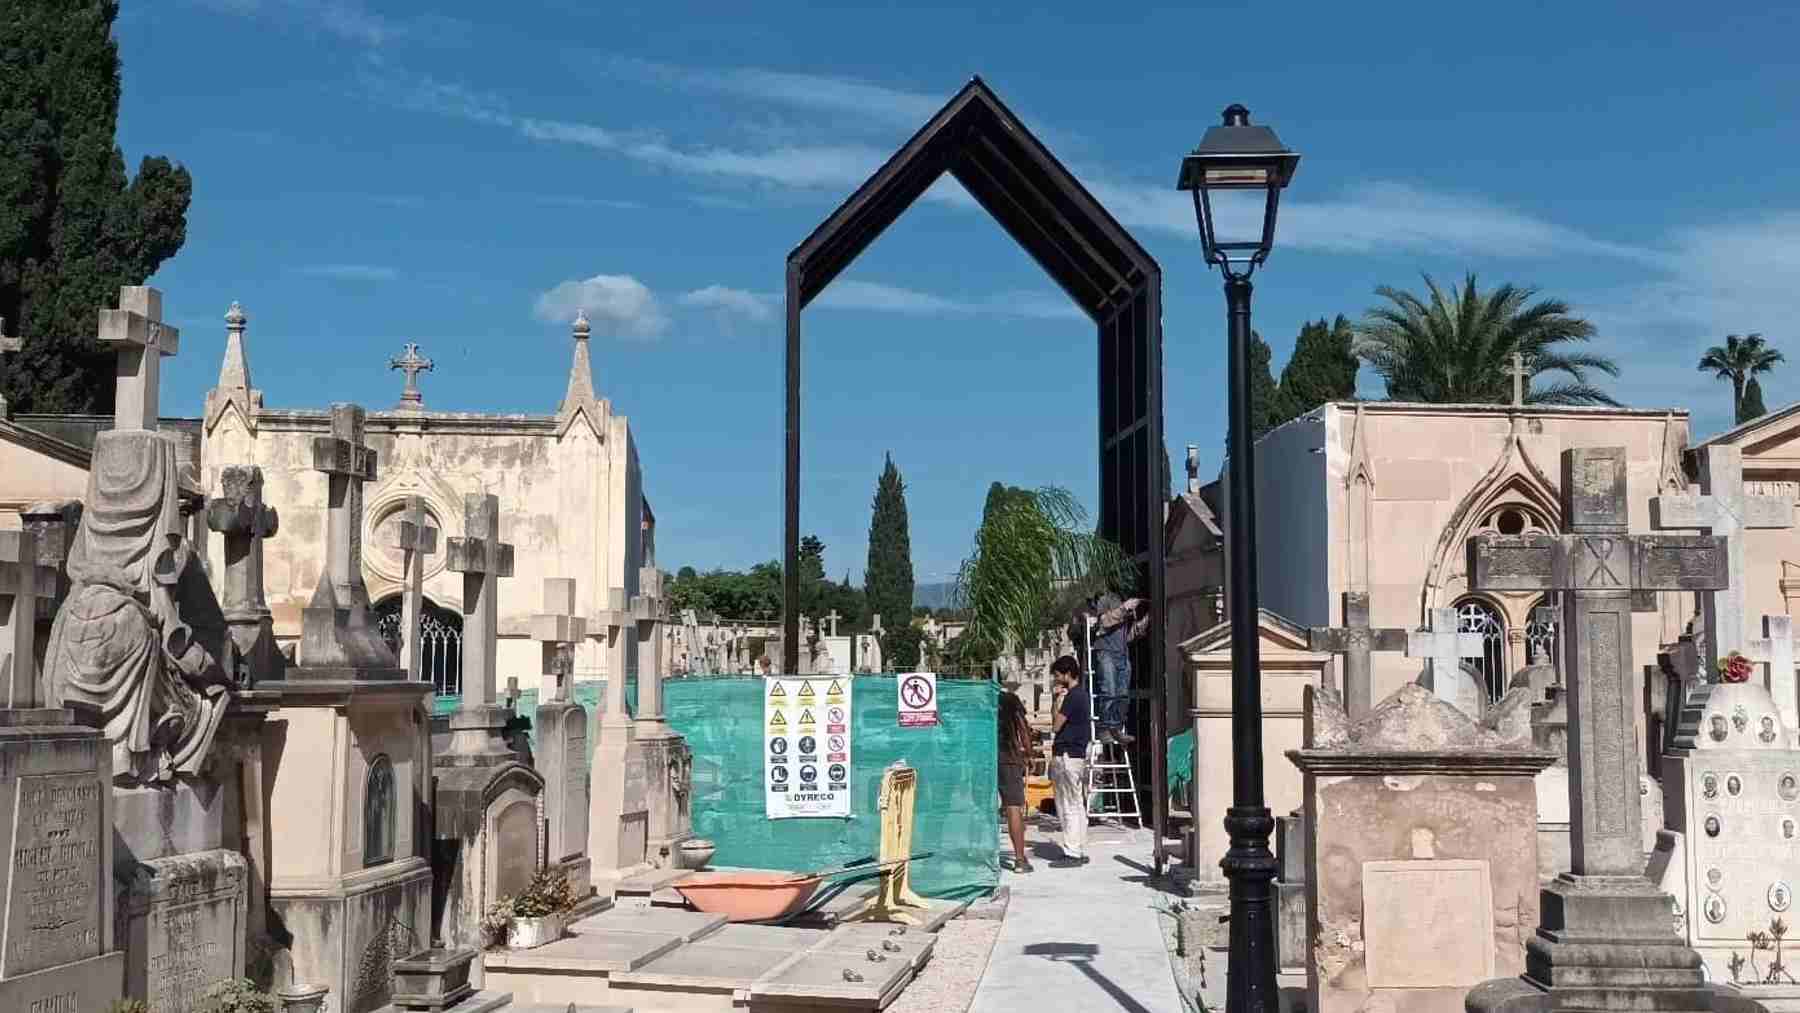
(1237, 156)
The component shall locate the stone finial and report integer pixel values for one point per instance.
(234, 375)
(234, 317)
(581, 328)
(579, 399)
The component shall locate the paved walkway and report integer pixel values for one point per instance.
(1084, 940)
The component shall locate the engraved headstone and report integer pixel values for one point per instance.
(1607, 938)
(56, 941)
(1775, 648)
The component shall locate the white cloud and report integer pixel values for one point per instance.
(615, 303)
(349, 20)
(817, 92)
(351, 272)
(849, 294)
(732, 302)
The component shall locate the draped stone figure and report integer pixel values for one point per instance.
(140, 648)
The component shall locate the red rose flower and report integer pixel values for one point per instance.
(1735, 668)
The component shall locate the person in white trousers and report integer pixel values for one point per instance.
(1068, 760)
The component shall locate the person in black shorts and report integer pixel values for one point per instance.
(1015, 740)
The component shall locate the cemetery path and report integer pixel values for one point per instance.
(1086, 939)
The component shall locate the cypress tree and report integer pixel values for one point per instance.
(812, 575)
(888, 577)
(1265, 397)
(1751, 407)
(1322, 368)
(72, 228)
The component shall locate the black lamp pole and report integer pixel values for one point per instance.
(1238, 156)
(1249, 864)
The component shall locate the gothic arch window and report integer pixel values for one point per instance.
(440, 642)
(1513, 519)
(378, 812)
(1540, 632)
(1474, 615)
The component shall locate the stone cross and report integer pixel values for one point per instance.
(414, 537)
(647, 610)
(1518, 379)
(23, 580)
(7, 346)
(349, 462)
(1354, 641)
(875, 625)
(832, 617)
(1776, 649)
(558, 629)
(412, 364)
(142, 339)
(1722, 508)
(1443, 647)
(482, 558)
(1596, 566)
(239, 514)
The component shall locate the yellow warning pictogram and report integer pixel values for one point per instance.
(778, 719)
(806, 718)
(776, 692)
(835, 690)
(806, 690)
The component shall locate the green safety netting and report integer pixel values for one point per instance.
(958, 797)
(1180, 765)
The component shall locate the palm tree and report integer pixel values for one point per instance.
(1031, 550)
(1457, 348)
(1739, 360)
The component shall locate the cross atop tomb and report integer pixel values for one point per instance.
(23, 580)
(875, 625)
(1444, 646)
(1776, 648)
(7, 347)
(1354, 641)
(1518, 379)
(142, 339)
(412, 364)
(1597, 565)
(1193, 468)
(558, 629)
(414, 537)
(349, 462)
(1723, 508)
(482, 558)
(832, 617)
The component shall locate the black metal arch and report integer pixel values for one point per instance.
(977, 139)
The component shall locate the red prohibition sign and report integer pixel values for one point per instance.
(915, 692)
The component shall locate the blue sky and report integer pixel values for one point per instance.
(464, 175)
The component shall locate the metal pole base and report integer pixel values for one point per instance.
(1250, 866)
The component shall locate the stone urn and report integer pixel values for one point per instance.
(530, 933)
(694, 853)
(302, 998)
(433, 979)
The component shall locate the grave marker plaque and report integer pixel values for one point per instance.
(53, 905)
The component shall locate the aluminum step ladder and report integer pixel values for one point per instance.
(1112, 792)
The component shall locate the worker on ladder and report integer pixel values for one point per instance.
(1117, 625)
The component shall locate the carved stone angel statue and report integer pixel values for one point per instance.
(140, 648)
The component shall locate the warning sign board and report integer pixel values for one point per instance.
(918, 700)
(808, 772)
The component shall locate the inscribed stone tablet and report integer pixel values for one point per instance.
(516, 846)
(53, 897)
(189, 947)
(1428, 924)
(1743, 841)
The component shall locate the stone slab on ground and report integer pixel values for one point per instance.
(487, 1001)
(589, 952)
(706, 965)
(789, 937)
(834, 980)
(688, 925)
(1081, 939)
(947, 984)
(862, 938)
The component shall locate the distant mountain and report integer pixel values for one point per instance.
(935, 596)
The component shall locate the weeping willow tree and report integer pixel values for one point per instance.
(1034, 557)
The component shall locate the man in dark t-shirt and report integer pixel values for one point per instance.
(1068, 759)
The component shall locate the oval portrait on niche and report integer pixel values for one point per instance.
(1768, 733)
(1709, 785)
(1780, 896)
(1718, 727)
(1787, 828)
(1734, 785)
(1714, 877)
(1715, 909)
(1712, 824)
(1788, 787)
